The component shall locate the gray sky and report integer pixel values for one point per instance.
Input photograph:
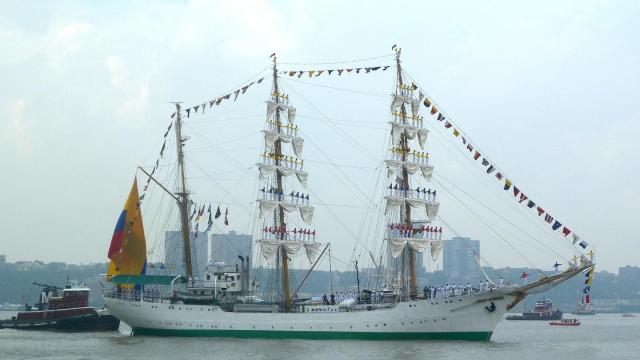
(547, 90)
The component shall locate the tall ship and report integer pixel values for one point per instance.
(225, 300)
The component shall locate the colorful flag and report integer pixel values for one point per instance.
(440, 117)
(218, 213)
(583, 244)
(523, 197)
(576, 238)
(490, 169)
(485, 162)
(566, 231)
(434, 110)
(499, 175)
(540, 211)
(128, 248)
(427, 103)
(531, 204)
(447, 124)
(476, 155)
(456, 133)
(507, 184)
(556, 225)
(209, 223)
(548, 218)
(516, 191)
(226, 214)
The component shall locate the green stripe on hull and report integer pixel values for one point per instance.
(319, 335)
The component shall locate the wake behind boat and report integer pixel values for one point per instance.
(223, 301)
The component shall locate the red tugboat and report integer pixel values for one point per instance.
(62, 309)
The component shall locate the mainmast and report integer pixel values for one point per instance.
(405, 235)
(184, 198)
(404, 144)
(279, 242)
(279, 220)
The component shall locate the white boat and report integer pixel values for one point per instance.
(223, 303)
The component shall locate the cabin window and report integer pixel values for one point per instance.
(208, 277)
(231, 278)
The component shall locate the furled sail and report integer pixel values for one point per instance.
(267, 170)
(128, 249)
(270, 138)
(394, 203)
(398, 244)
(269, 248)
(393, 166)
(266, 207)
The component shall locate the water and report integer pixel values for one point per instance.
(603, 336)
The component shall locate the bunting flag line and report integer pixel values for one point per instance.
(160, 156)
(491, 168)
(316, 73)
(239, 91)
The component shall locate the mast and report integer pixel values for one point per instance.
(404, 143)
(184, 198)
(286, 292)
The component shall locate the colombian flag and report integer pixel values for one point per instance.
(128, 249)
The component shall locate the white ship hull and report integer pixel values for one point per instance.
(457, 318)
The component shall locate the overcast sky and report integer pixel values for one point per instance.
(548, 90)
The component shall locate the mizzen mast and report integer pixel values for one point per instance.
(184, 198)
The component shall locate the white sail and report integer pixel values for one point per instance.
(266, 207)
(393, 167)
(398, 244)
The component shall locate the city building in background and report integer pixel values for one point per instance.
(227, 247)
(459, 258)
(173, 252)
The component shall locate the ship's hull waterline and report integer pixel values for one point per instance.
(455, 318)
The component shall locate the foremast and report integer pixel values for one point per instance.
(278, 241)
(405, 238)
(183, 203)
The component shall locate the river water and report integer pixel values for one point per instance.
(603, 336)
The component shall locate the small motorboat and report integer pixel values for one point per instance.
(628, 315)
(565, 322)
